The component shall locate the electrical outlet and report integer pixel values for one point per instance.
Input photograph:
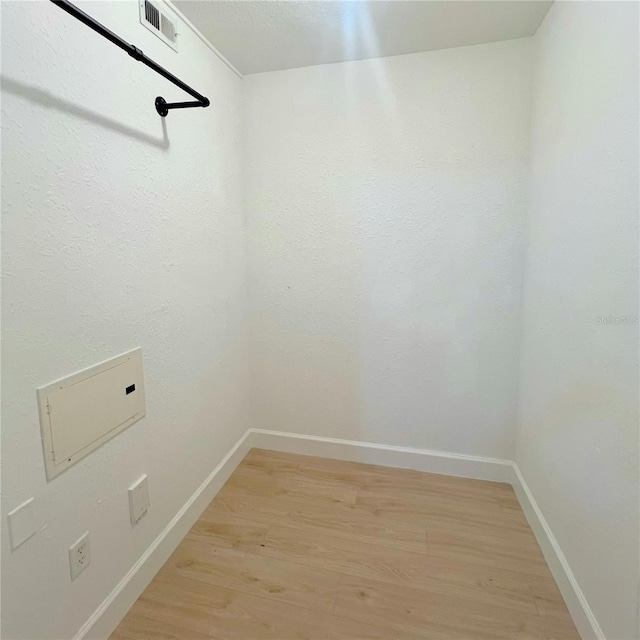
(139, 499)
(79, 555)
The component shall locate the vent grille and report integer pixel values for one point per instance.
(151, 14)
(168, 28)
(156, 17)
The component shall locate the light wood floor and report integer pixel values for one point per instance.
(302, 547)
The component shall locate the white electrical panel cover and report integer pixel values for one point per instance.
(81, 412)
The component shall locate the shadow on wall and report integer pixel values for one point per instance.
(52, 102)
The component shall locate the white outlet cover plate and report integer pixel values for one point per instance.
(79, 555)
(139, 498)
(22, 523)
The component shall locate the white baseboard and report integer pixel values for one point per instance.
(457, 465)
(108, 615)
(452, 464)
(579, 608)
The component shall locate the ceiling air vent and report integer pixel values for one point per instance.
(158, 18)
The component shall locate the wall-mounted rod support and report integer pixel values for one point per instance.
(162, 106)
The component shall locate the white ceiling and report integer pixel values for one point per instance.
(267, 35)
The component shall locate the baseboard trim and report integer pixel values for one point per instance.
(453, 464)
(478, 467)
(583, 616)
(109, 614)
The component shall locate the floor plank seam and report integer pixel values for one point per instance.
(473, 533)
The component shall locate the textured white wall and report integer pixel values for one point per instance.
(385, 203)
(113, 237)
(578, 435)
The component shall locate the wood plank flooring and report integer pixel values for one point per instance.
(302, 547)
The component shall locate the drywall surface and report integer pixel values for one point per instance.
(578, 436)
(119, 230)
(385, 203)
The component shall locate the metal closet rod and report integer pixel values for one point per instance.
(162, 106)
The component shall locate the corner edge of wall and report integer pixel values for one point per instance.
(116, 605)
(581, 613)
(202, 37)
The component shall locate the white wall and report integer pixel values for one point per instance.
(578, 435)
(113, 237)
(385, 203)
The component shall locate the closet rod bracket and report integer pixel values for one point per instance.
(162, 106)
